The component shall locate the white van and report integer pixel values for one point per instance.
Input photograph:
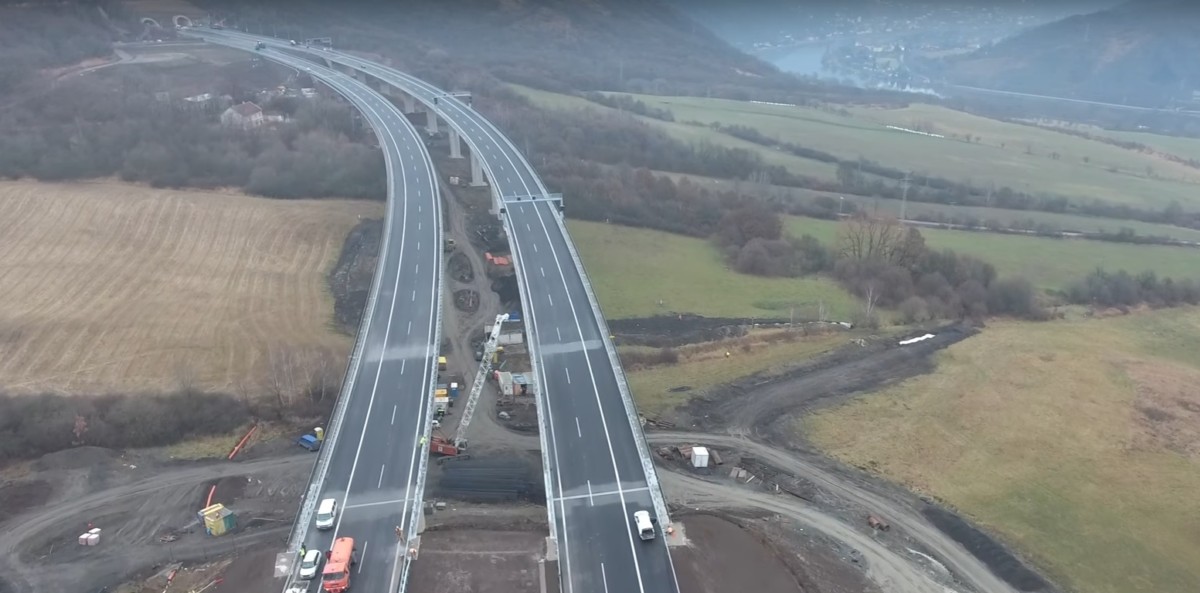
(326, 513)
(641, 520)
(310, 564)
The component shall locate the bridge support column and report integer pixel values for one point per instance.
(455, 144)
(476, 172)
(431, 121)
(410, 104)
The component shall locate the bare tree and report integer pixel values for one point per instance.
(883, 239)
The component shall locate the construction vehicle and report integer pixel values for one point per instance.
(438, 444)
(485, 367)
(877, 523)
(336, 576)
(310, 442)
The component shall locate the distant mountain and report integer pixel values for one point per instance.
(1139, 53)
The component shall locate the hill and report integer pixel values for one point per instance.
(625, 45)
(1139, 53)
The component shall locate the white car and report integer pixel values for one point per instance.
(310, 564)
(326, 513)
(641, 520)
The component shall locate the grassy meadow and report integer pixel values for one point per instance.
(632, 270)
(1076, 441)
(999, 153)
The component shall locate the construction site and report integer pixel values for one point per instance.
(758, 508)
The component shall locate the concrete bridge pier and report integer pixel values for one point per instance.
(410, 104)
(431, 121)
(455, 144)
(477, 179)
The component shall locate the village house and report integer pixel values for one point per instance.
(244, 115)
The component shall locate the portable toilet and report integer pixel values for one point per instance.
(453, 391)
(441, 363)
(699, 457)
(320, 433)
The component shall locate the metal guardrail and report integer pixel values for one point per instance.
(321, 468)
(548, 465)
(419, 502)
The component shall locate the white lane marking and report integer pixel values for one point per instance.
(410, 328)
(375, 504)
(418, 245)
(360, 558)
(418, 205)
(417, 269)
(578, 430)
(559, 332)
(549, 296)
(591, 500)
(535, 248)
(543, 272)
(418, 226)
(568, 371)
(528, 228)
(599, 405)
(414, 296)
(604, 577)
(403, 363)
(551, 441)
(386, 333)
(394, 413)
(591, 494)
(380, 484)
(509, 179)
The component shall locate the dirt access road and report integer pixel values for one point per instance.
(902, 515)
(756, 416)
(38, 551)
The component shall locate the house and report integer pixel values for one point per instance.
(244, 115)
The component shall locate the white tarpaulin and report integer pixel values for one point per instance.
(915, 340)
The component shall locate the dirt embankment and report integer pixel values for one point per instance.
(350, 280)
(765, 407)
(667, 331)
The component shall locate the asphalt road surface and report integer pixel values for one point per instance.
(598, 476)
(376, 460)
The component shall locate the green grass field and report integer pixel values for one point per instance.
(1188, 148)
(632, 270)
(1077, 442)
(919, 209)
(1006, 154)
(686, 133)
(1048, 263)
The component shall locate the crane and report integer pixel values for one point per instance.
(485, 367)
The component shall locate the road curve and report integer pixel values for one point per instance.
(599, 467)
(374, 460)
(960, 561)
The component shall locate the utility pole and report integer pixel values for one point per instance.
(904, 199)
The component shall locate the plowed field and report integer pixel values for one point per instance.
(108, 287)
